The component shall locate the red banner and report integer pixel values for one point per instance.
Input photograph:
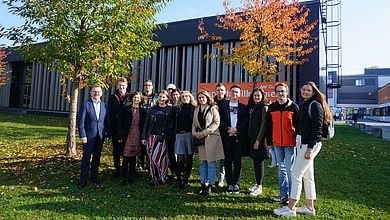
(246, 89)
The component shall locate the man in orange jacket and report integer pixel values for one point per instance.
(282, 118)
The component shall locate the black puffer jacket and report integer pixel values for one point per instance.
(310, 128)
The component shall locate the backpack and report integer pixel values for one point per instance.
(327, 129)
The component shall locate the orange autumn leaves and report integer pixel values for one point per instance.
(271, 32)
(3, 75)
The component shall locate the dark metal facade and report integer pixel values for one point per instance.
(180, 60)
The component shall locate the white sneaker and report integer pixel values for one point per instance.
(306, 211)
(257, 191)
(285, 211)
(253, 188)
(220, 183)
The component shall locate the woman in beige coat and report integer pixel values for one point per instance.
(205, 125)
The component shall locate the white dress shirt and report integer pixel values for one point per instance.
(96, 105)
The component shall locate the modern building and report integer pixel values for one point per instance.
(366, 94)
(180, 60)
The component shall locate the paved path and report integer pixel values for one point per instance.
(376, 128)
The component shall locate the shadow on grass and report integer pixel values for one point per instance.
(350, 172)
(39, 171)
(56, 181)
(147, 202)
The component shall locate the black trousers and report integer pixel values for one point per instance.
(171, 156)
(258, 164)
(117, 152)
(141, 158)
(128, 168)
(233, 151)
(184, 167)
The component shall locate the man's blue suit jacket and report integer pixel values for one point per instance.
(88, 124)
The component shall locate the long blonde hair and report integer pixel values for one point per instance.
(192, 99)
(328, 117)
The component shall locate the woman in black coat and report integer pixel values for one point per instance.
(258, 108)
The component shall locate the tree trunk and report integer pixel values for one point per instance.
(254, 78)
(71, 139)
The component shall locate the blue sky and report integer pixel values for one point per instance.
(365, 32)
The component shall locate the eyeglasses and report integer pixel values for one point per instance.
(281, 91)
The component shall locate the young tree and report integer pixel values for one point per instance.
(3, 75)
(271, 32)
(88, 42)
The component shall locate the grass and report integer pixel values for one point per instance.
(38, 182)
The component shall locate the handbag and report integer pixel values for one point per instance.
(200, 141)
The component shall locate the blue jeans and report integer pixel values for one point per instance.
(285, 159)
(207, 172)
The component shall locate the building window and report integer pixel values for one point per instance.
(330, 93)
(360, 82)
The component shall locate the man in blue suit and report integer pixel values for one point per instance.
(93, 127)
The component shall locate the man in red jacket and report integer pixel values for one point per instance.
(282, 118)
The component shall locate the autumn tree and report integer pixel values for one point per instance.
(271, 32)
(88, 42)
(3, 75)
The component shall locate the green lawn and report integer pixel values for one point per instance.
(38, 182)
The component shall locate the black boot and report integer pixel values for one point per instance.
(208, 190)
(202, 189)
(125, 171)
(132, 172)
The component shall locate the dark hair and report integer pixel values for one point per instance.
(132, 94)
(235, 86)
(251, 101)
(149, 80)
(220, 85)
(210, 101)
(174, 90)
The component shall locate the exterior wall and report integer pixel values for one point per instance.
(184, 66)
(46, 90)
(384, 94)
(181, 61)
(5, 91)
(350, 93)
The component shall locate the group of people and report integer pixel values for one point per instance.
(167, 128)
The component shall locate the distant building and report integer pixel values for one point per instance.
(366, 94)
